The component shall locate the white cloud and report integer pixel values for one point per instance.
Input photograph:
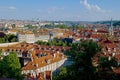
(54, 9)
(2, 8)
(12, 7)
(51, 10)
(91, 6)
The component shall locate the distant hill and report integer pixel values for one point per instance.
(115, 22)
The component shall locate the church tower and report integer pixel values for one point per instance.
(50, 36)
(111, 31)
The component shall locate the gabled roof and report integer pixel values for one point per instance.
(42, 61)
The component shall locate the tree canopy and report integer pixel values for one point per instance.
(52, 43)
(2, 35)
(82, 68)
(82, 55)
(10, 67)
(107, 63)
(7, 38)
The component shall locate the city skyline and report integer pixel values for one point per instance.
(64, 10)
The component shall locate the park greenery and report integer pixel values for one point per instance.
(82, 55)
(4, 38)
(53, 43)
(63, 26)
(30, 27)
(52, 25)
(0, 54)
(10, 67)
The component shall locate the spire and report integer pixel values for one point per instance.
(50, 35)
(111, 27)
(111, 23)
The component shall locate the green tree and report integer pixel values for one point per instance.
(62, 26)
(83, 59)
(107, 63)
(31, 27)
(79, 27)
(66, 73)
(11, 38)
(2, 35)
(82, 68)
(10, 67)
(105, 70)
(2, 40)
(14, 39)
(54, 42)
(0, 54)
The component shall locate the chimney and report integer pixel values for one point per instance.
(32, 59)
(36, 65)
(114, 49)
(48, 61)
(113, 54)
(62, 56)
(109, 58)
(54, 55)
(58, 52)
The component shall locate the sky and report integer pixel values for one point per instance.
(60, 10)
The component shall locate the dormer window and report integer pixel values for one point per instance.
(48, 61)
(109, 48)
(62, 56)
(16, 50)
(114, 49)
(8, 50)
(58, 52)
(12, 50)
(28, 55)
